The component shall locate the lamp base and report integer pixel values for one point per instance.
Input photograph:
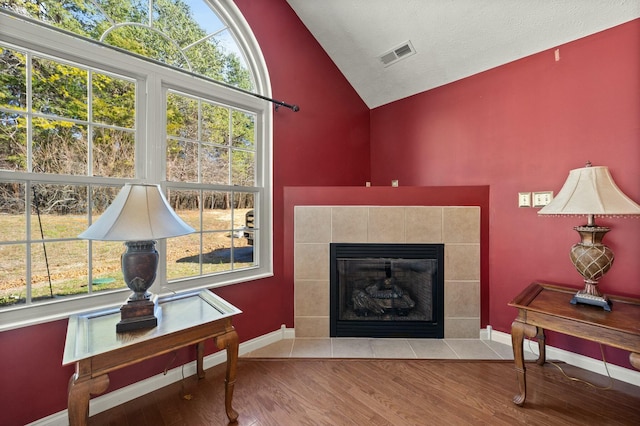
(138, 315)
(590, 299)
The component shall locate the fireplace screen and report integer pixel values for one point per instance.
(387, 290)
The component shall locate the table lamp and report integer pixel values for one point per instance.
(139, 215)
(591, 191)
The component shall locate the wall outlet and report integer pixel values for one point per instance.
(524, 199)
(541, 199)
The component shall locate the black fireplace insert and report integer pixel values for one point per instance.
(387, 290)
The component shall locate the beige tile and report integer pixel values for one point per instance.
(472, 349)
(312, 224)
(312, 348)
(432, 349)
(312, 326)
(461, 328)
(346, 347)
(462, 298)
(423, 224)
(462, 262)
(386, 225)
(392, 348)
(461, 225)
(311, 261)
(311, 298)
(349, 224)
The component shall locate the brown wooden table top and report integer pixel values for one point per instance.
(554, 300)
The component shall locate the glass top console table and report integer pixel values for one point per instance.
(96, 349)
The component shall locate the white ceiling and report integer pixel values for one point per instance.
(453, 39)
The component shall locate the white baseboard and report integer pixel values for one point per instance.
(590, 364)
(136, 390)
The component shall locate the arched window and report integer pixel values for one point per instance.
(95, 94)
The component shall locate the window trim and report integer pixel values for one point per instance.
(25, 33)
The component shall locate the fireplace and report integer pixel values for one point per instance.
(386, 290)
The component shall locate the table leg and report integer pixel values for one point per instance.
(634, 359)
(518, 331)
(542, 349)
(199, 359)
(80, 390)
(229, 341)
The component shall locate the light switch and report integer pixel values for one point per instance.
(541, 199)
(524, 199)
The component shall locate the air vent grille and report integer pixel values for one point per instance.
(402, 51)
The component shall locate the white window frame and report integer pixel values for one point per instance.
(157, 79)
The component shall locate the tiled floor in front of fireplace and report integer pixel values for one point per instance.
(347, 347)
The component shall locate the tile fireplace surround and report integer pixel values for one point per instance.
(457, 227)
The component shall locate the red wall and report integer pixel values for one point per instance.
(325, 143)
(522, 127)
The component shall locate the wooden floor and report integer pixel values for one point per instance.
(384, 392)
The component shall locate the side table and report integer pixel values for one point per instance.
(96, 349)
(546, 307)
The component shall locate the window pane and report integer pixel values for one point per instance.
(202, 55)
(216, 256)
(187, 205)
(244, 129)
(243, 172)
(113, 100)
(58, 268)
(59, 147)
(182, 116)
(59, 211)
(59, 89)
(106, 270)
(216, 212)
(215, 164)
(13, 283)
(183, 256)
(13, 82)
(215, 124)
(182, 161)
(245, 225)
(113, 153)
(242, 255)
(13, 221)
(13, 141)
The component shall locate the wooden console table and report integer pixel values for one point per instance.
(96, 349)
(546, 307)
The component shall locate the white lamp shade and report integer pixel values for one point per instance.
(139, 212)
(591, 191)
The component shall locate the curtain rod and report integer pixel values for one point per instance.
(294, 108)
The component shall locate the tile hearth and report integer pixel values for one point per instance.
(346, 347)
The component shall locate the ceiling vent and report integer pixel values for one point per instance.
(397, 53)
